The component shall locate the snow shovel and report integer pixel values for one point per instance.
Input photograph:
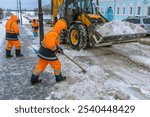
(36, 52)
(83, 70)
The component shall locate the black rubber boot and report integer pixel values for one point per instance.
(8, 54)
(18, 53)
(34, 79)
(60, 78)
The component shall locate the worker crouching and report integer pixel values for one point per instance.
(12, 32)
(47, 53)
(35, 27)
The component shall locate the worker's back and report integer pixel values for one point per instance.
(12, 28)
(51, 40)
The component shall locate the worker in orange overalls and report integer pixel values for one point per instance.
(35, 26)
(47, 53)
(12, 32)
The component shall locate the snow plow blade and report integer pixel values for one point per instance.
(98, 40)
(116, 39)
(115, 33)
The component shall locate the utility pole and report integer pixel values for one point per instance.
(41, 20)
(51, 12)
(20, 12)
(114, 10)
(17, 10)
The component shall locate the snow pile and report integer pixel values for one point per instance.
(119, 28)
(79, 85)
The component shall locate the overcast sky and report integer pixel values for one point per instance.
(29, 4)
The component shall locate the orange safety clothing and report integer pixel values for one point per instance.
(35, 25)
(51, 41)
(42, 64)
(47, 51)
(12, 28)
(10, 44)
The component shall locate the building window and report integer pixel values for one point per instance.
(118, 10)
(124, 10)
(131, 10)
(148, 12)
(139, 11)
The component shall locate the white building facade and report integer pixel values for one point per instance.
(121, 9)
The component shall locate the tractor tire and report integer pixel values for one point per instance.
(63, 37)
(78, 36)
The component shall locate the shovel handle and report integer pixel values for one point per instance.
(83, 70)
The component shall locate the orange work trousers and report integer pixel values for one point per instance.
(10, 44)
(42, 64)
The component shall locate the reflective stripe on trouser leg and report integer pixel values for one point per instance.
(9, 45)
(57, 72)
(56, 65)
(36, 72)
(41, 65)
(17, 44)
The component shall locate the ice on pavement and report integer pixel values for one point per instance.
(119, 28)
(108, 76)
(142, 60)
(2, 32)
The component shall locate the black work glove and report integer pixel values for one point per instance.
(60, 50)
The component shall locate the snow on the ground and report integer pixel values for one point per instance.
(28, 32)
(75, 53)
(119, 28)
(106, 77)
(25, 20)
(78, 84)
(2, 32)
(141, 59)
(47, 17)
(136, 52)
(35, 41)
(29, 13)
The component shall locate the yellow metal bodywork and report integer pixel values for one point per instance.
(56, 4)
(83, 18)
(94, 16)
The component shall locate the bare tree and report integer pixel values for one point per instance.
(8, 13)
(1, 13)
(36, 12)
(47, 10)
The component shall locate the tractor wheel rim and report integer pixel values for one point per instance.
(74, 35)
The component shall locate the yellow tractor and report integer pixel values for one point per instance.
(83, 18)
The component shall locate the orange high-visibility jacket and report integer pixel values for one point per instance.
(12, 28)
(35, 25)
(51, 41)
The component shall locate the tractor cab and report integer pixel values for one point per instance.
(74, 9)
(82, 10)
